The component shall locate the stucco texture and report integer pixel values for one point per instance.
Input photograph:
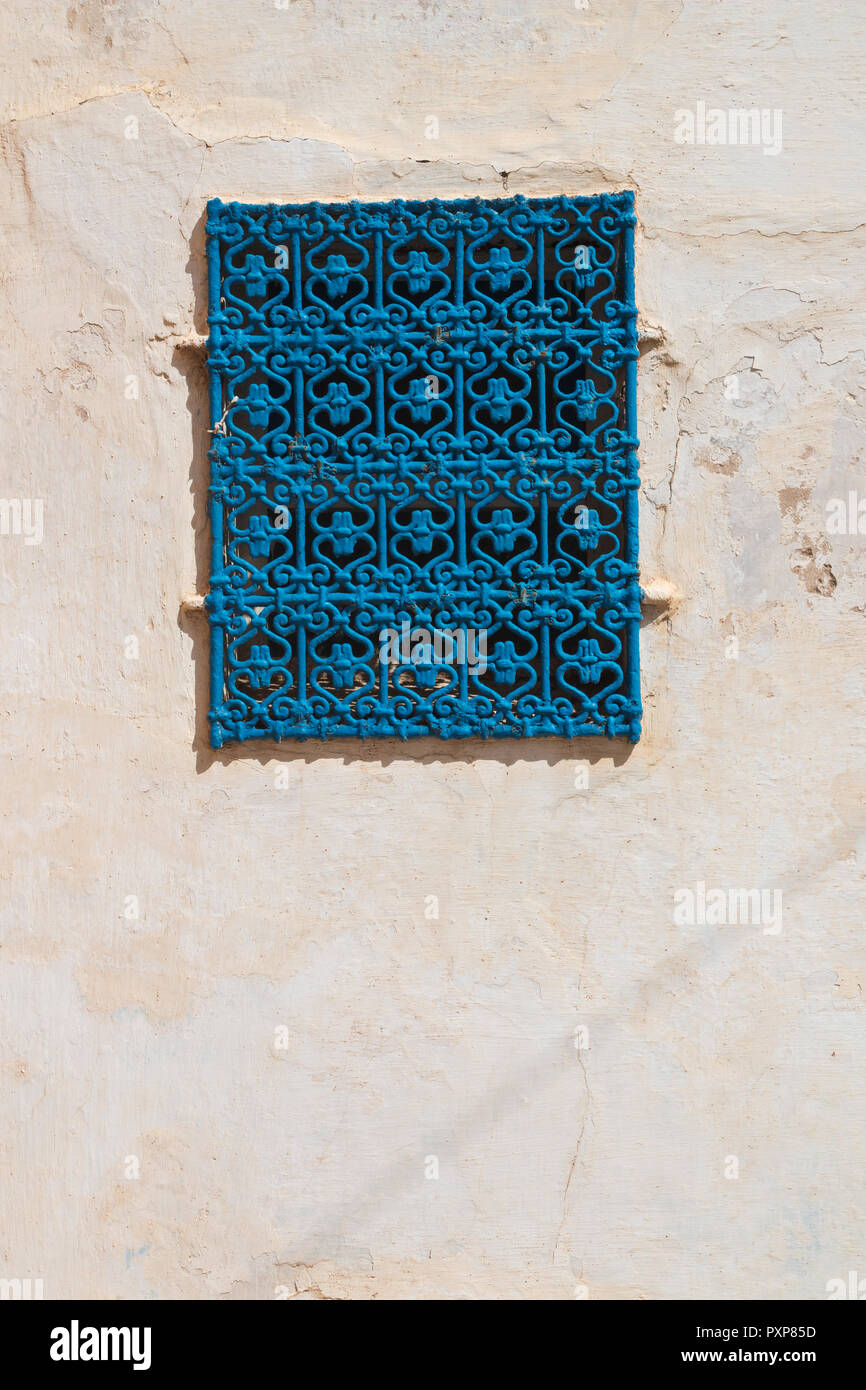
(242, 1055)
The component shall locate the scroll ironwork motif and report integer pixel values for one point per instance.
(424, 478)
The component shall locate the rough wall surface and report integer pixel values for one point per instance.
(243, 1057)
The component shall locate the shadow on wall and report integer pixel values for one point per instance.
(191, 363)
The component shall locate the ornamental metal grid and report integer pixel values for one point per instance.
(424, 476)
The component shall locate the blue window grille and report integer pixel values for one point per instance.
(424, 475)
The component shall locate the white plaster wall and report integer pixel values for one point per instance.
(600, 1171)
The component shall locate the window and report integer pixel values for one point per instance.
(423, 469)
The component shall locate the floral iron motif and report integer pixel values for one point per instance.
(423, 413)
